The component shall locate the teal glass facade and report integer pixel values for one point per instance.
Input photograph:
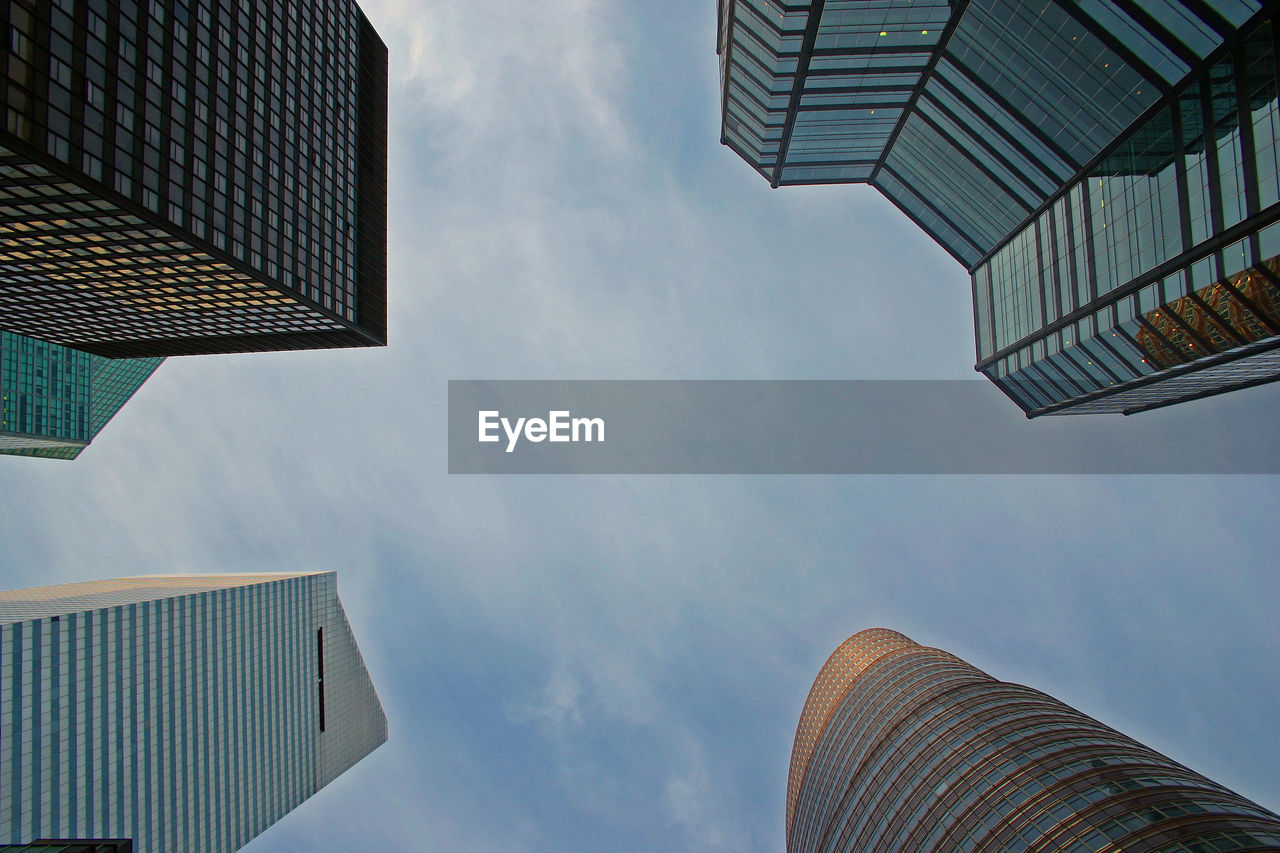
(180, 712)
(55, 400)
(904, 747)
(1071, 155)
(1169, 288)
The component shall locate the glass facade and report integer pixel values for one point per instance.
(182, 712)
(44, 395)
(55, 400)
(1170, 287)
(1072, 155)
(193, 177)
(903, 747)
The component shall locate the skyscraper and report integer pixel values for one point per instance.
(193, 176)
(55, 400)
(903, 747)
(1105, 170)
(179, 712)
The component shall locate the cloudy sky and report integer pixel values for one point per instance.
(618, 663)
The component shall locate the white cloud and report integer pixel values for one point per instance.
(687, 802)
(557, 705)
(499, 69)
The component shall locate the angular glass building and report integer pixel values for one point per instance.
(903, 747)
(177, 712)
(193, 176)
(55, 400)
(1106, 170)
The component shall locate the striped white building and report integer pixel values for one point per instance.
(183, 712)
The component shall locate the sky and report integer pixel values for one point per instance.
(582, 663)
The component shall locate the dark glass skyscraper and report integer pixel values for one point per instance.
(903, 747)
(193, 176)
(1105, 170)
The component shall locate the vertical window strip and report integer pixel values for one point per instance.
(277, 675)
(146, 745)
(11, 661)
(88, 670)
(223, 711)
(268, 742)
(240, 746)
(36, 782)
(168, 753)
(286, 606)
(320, 673)
(1209, 141)
(1244, 122)
(119, 716)
(134, 684)
(295, 691)
(1225, 122)
(1261, 96)
(57, 718)
(250, 779)
(982, 310)
(104, 710)
(1048, 266)
(207, 781)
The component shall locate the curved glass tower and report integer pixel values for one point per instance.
(904, 747)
